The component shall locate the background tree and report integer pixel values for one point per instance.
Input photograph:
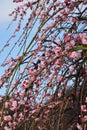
(46, 84)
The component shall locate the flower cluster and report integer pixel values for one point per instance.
(50, 68)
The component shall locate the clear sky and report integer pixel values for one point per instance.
(6, 6)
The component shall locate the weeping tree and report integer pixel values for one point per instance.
(46, 80)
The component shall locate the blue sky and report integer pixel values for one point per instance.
(6, 6)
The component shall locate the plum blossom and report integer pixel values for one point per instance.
(83, 108)
(6, 104)
(32, 71)
(13, 35)
(86, 100)
(48, 80)
(12, 124)
(58, 41)
(59, 78)
(7, 118)
(7, 128)
(14, 105)
(59, 95)
(75, 55)
(84, 119)
(6, 44)
(22, 102)
(83, 38)
(1, 82)
(21, 116)
(17, 1)
(72, 43)
(17, 29)
(57, 50)
(79, 126)
(71, 68)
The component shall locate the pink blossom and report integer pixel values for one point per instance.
(75, 55)
(40, 3)
(32, 71)
(46, 112)
(7, 118)
(74, 20)
(30, 25)
(53, 20)
(79, 126)
(51, 106)
(22, 102)
(83, 108)
(6, 44)
(51, 25)
(17, 29)
(43, 13)
(10, 124)
(13, 35)
(83, 38)
(42, 58)
(6, 104)
(59, 78)
(66, 1)
(18, 58)
(71, 68)
(40, 128)
(72, 43)
(33, 111)
(84, 41)
(43, 36)
(17, 1)
(1, 82)
(37, 119)
(6, 128)
(59, 95)
(84, 119)
(25, 84)
(86, 100)
(57, 50)
(21, 115)
(32, 78)
(14, 105)
(21, 72)
(58, 41)
(67, 37)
